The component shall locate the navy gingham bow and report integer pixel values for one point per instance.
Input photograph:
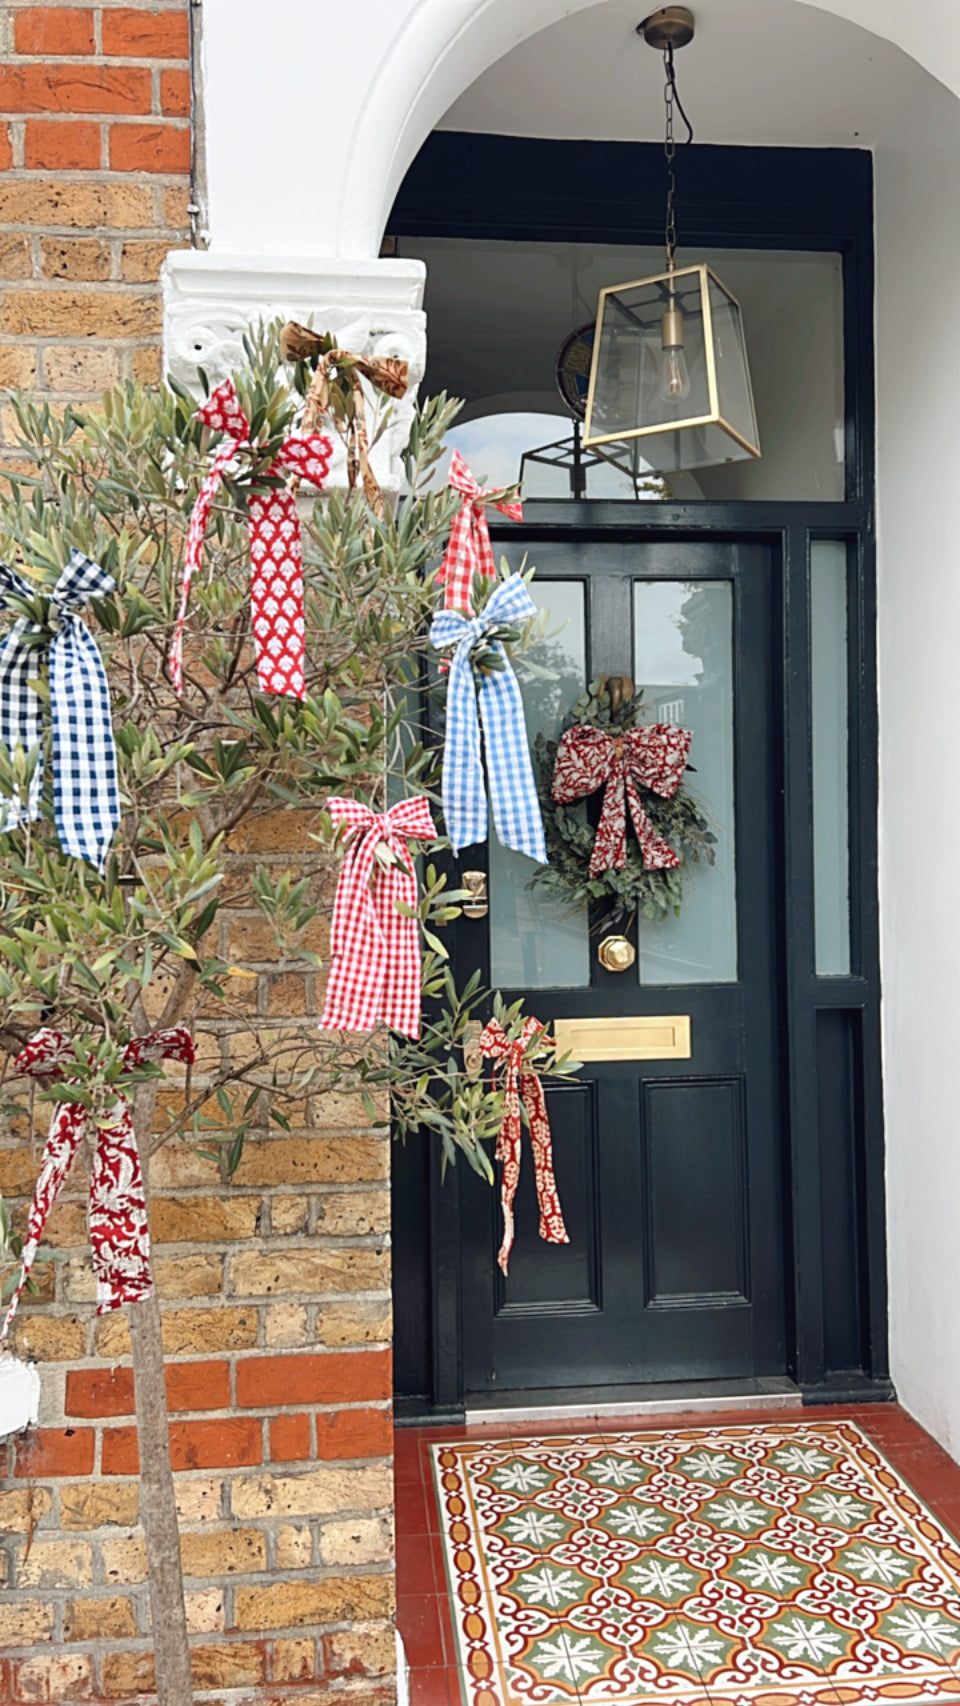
(513, 793)
(86, 796)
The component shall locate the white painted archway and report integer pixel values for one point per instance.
(314, 113)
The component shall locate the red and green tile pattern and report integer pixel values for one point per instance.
(779, 1564)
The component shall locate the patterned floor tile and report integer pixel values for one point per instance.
(777, 1564)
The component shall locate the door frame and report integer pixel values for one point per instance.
(835, 1236)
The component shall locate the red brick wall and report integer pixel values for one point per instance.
(94, 187)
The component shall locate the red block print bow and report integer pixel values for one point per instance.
(276, 546)
(520, 1081)
(119, 1234)
(374, 947)
(654, 757)
(469, 551)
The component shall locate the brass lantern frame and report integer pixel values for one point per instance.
(659, 428)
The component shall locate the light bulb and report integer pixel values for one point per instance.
(674, 382)
(674, 378)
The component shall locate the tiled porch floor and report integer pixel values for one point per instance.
(823, 1631)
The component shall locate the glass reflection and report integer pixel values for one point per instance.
(683, 662)
(534, 942)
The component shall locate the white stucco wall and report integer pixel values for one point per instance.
(918, 294)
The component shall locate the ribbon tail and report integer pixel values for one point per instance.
(463, 788)
(59, 1151)
(358, 950)
(610, 842)
(196, 532)
(513, 791)
(401, 999)
(276, 593)
(508, 1154)
(552, 1228)
(119, 1229)
(86, 793)
(658, 855)
(21, 718)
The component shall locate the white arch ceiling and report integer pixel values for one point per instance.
(308, 148)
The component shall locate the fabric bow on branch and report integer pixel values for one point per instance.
(516, 809)
(375, 947)
(86, 797)
(520, 1081)
(276, 546)
(117, 1213)
(654, 756)
(335, 390)
(469, 551)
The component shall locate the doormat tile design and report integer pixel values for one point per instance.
(785, 1564)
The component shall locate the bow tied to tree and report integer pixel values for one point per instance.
(117, 1210)
(521, 1083)
(513, 792)
(276, 545)
(86, 795)
(653, 756)
(375, 937)
(335, 390)
(469, 551)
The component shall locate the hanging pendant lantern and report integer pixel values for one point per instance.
(669, 369)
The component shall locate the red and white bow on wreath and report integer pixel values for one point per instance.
(374, 945)
(119, 1233)
(469, 551)
(520, 1081)
(276, 546)
(654, 756)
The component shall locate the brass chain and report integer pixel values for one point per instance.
(671, 99)
(669, 152)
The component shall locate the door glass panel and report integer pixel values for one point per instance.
(535, 942)
(683, 663)
(831, 817)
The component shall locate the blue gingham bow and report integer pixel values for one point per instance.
(86, 797)
(513, 793)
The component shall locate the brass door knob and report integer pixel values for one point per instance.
(615, 953)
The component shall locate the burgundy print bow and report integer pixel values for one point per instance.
(469, 551)
(654, 756)
(276, 546)
(520, 1081)
(119, 1233)
(374, 946)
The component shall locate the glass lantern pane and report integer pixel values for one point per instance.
(639, 382)
(730, 353)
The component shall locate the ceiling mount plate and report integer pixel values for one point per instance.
(671, 26)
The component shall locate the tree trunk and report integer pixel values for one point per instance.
(158, 1502)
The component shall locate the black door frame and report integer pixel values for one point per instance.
(507, 187)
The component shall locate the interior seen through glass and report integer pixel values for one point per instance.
(683, 662)
(499, 312)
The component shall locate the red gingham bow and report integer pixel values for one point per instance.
(276, 546)
(520, 1081)
(374, 947)
(469, 551)
(655, 756)
(117, 1213)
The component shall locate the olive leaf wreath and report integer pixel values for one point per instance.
(634, 891)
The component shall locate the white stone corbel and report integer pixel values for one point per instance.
(371, 306)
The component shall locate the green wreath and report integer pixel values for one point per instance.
(635, 891)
